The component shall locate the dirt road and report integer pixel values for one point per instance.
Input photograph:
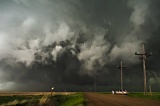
(95, 99)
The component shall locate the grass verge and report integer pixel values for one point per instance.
(154, 96)
(76, 99)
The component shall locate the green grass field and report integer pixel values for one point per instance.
(38, 100)
(70, 100)
(154, 96)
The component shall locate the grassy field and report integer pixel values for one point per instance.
(154, 96)
(71, 99)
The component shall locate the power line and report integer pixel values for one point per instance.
(121, 68)
(144, 55)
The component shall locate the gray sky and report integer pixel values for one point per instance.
(71, 44)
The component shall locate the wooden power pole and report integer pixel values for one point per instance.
(95, 87)
(121, 68)
(143, 57)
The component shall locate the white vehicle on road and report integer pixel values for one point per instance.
(121, 92)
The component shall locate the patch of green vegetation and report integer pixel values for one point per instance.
(70, 100)
(154, 96)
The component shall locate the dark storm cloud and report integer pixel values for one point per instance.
(71, 44)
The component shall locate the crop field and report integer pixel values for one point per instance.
(41, 99)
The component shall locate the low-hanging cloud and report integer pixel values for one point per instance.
(69, 41)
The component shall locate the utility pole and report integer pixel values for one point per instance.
(121, 68)
(143, 58)
(95, 87)
(150, 90)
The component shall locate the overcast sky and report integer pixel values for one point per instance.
(72, 44)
